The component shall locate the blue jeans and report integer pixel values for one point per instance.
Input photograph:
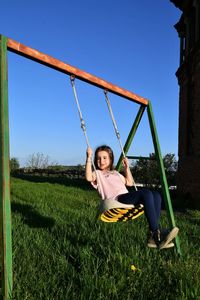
(151, 201)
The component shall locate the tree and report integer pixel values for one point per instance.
(170, 162)
(146, 171)
(171, 166)
(14, 164)
(38, 161)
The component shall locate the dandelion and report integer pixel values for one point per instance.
(133, 268)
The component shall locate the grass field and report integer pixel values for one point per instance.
(62, 251)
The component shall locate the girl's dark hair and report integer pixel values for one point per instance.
(110, 153)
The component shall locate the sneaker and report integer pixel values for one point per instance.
(152, 244)
(167, 236)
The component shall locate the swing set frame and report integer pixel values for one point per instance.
(7, 44)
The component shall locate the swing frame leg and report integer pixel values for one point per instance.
(5, 207)
(164, 184)
(131, 135)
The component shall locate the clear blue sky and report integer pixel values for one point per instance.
(132, 44)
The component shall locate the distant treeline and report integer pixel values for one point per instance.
(68, 172)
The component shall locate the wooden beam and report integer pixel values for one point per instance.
(58, 65)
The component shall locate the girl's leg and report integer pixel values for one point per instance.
(151, 209)
(157, 203)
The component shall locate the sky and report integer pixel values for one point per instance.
(130, 43)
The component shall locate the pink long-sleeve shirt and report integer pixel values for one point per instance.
(110, 184)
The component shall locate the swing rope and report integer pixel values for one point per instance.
(72, 79)
(115, 127)
(114, 122)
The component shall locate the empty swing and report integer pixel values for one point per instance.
(110, 210)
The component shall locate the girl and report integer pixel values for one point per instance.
(112, 185)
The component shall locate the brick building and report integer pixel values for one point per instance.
(188, 75)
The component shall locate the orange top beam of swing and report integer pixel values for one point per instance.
(58, 65)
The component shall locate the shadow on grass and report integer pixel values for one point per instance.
(75, 182)
(31, 217)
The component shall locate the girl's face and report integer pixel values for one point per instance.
(103, 160)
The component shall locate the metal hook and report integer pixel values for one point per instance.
(72, 78)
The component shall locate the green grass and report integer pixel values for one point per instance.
(62, 251)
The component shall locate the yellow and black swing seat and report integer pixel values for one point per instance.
(122, 214)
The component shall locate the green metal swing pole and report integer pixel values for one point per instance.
(131, 135)
(5, 207)
(163, 178)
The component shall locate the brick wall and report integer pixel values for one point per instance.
(189, 128)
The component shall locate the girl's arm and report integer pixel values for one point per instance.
(127, 171)
(89, 175)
